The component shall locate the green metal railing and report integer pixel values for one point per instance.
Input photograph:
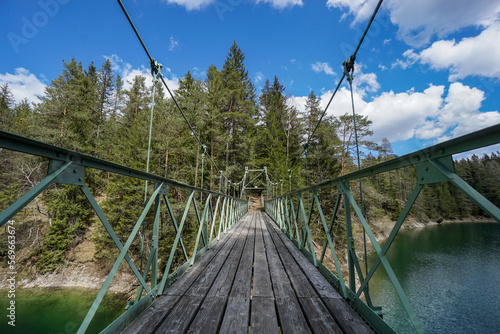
(433, 165)
(218, 213)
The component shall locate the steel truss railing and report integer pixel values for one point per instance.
(433, 165)
(68, 167)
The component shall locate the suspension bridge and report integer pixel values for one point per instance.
(250, 270)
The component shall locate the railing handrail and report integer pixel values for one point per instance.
(482, 138)
(30, 146)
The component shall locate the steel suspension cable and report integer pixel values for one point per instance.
(152, 62)
(352, 58)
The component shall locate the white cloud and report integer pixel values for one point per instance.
(361, 9)
(428, 115)
(23, 85)
(128, 73)
(419, 21)
(460, 114)
(411, 58)
(201, 4)
(477, 55)
(322, 67)
(364, 82)
(191, 4)
(382, 67)
(281, 4)
(299, 102)
(173, 44)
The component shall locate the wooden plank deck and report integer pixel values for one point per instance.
(254, 280)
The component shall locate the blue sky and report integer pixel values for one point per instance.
(428, 71)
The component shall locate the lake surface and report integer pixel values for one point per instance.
(58, 311)
(451, 275)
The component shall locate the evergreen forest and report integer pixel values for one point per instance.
(88, 109)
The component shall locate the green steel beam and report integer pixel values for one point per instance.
(473, 194)
(330, 243)
(474, 140)
(114, 269)
(22, 144)
(112, 234)
(397, 286)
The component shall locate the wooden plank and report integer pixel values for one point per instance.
(236, 317)
(263, 317)
(318, 316)
(291, 318)
(261, 276)
(321, 285)
(243, 280)
(237, 314)
(300, 283)
(209, 316)
(346, 317)
(190, 276)
(181, 315)
(150, 319)
(290, 315)
(316, 313)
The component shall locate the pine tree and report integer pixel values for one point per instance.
(6, 106)
(238, 111)
(345, 126)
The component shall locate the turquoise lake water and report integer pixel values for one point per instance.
(57, 311)
(451, 275)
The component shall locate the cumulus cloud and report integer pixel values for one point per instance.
(23, 85)
(410, 59)
(436, 114)
(364, 82)
(322, 67)
(128, 73)
(477, 55)
(419, 21)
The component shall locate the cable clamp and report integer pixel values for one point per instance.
(349, 68)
